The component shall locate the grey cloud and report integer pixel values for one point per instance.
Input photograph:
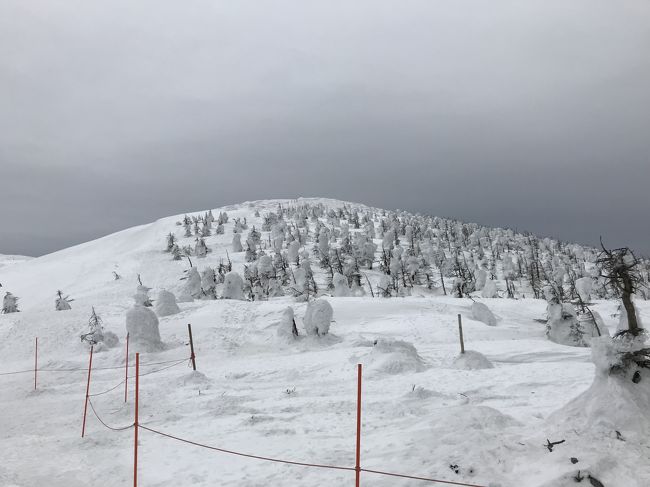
(524, 114)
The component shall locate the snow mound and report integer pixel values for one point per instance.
(393, 357)
(472, 360)
(480, 312)
(613, 402)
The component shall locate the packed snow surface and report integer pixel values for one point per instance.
(291, 398)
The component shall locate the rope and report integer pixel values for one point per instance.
(84, 369)
(17, 372)
(102, 421)
(268, 459)
(165, 368)
(177, 362)
(107, 390)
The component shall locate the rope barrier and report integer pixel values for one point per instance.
(92, 408)
(17, 372)
(257, 457)
(177, 362)
(304, 464)
(31, 371)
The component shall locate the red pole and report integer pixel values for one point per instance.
(35, 361)
(136, 426)
(90, 365)
(126, 368)
(357, 466)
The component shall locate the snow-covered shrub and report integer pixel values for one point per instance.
(564, 326)
(619, 398)
(236, 243)
(192, 288)
(62, 303)
(142, 327)
(472, 360)
(97, 336)
(233, 286)
(142, 296)
(341, 288)
(10, 303)
(318, 317)
(480, 312)
(166, 304)
(489, 289)
(287, 324)
(292, 252)
(584, 285)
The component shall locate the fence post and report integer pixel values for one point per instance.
(357, 466)
(35, 361)
(90, 365)
(460, 333)
(135, 424)
(192, 356)
(126, 368)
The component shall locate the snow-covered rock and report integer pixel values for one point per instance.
(480, 312)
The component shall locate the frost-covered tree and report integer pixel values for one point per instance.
(10, 303)
(236, 243)
(142, 327)
(166, 304)
(233, 286)
(96, 333)
(318, 317)
(62, 303)
(192, 289)
(97, 336)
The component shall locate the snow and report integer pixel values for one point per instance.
(295, 399)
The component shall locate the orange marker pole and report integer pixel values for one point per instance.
(135, 424)
(90, 365)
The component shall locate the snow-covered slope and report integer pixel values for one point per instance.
(9, 260)
(257, 392)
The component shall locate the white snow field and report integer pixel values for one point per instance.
(265, 394)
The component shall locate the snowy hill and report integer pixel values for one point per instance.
(425, 412)
(8, 260)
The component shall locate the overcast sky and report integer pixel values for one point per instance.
(529, 114)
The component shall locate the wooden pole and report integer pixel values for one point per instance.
(357, 466)
(126, 368)
(90, 365)
(35, 361)
(192, 356)
(460, 333)
(136, 426)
